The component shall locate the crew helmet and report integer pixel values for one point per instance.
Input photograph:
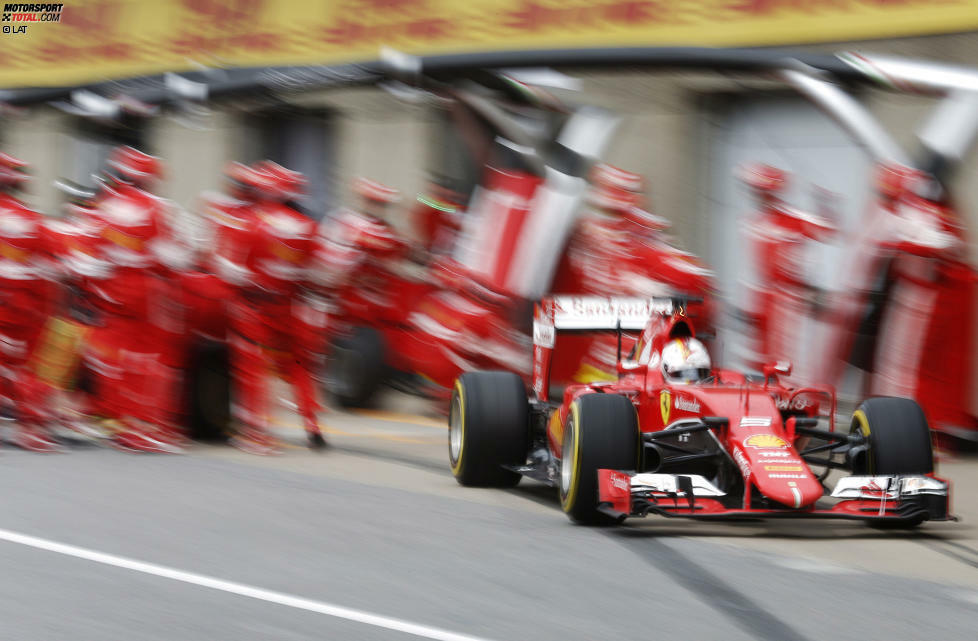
(13, 172)
(131, 166)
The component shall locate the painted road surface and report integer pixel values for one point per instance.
(373, 539)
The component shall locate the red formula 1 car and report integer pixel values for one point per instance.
(675, 436)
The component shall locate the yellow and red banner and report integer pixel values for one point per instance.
(92, 40)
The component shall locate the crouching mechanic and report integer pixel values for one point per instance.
(266, 263)
(27, 293)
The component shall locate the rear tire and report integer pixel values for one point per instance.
(488, 428)
(899, 443)
(601, 433)
(356, 367)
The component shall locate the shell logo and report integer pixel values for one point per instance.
(766, 441)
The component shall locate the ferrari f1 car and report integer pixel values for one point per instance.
(705, 442)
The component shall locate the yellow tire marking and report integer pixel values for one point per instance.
(457, 465)
(567, 502)
(859, 417)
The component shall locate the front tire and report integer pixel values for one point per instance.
(601, 433)
(899, 442)
(488, 428)
(897, 434)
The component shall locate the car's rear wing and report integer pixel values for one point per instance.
(588, 313)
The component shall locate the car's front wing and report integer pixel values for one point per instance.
(909, 498)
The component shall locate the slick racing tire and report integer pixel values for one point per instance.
(899, 442)
(356, 367)
(897, 434)
(488, 427)
(601, 433)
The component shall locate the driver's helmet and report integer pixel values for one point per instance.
(685, 360)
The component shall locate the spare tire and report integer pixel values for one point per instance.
(356, 367)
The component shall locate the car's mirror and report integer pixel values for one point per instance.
(631, 367)
(779, 367)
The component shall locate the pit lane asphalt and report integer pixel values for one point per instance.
(377, 524)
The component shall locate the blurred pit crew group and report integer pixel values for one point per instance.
(98, 309)
(111, 296)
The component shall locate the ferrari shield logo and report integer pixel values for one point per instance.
(665, 402)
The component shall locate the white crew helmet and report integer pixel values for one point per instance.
(685, 360)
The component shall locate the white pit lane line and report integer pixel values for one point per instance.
(270, 596)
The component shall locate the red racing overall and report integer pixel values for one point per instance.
(26, 300)
(266, 261)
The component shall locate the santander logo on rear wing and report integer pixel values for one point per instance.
(585, 313)
(556, 313)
